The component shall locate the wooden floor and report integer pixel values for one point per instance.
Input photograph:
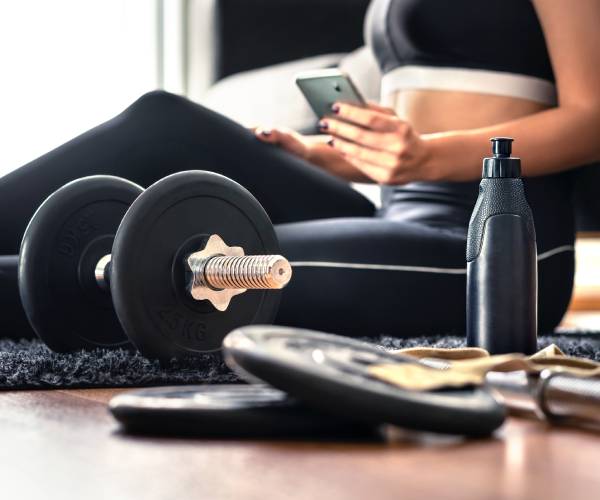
(64, 445)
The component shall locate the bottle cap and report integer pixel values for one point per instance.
(502, 164)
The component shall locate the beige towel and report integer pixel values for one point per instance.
(468, 366)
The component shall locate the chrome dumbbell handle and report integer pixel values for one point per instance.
(102, 272)
(219, 272)
(247, 272)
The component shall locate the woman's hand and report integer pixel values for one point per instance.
(378, 143)
(314, 149)
(290, 140)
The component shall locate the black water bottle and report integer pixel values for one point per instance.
(502, 259)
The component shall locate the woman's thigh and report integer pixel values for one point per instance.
(161, 134)
(357, 276)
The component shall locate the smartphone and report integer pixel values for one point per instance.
(325, 86)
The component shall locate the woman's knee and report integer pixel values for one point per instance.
(159, 115)
(157, 101)
(171, 114)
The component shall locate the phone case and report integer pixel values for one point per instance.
(324, 87)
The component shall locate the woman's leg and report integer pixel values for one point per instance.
(375, 276)
(161, 134)
(360, 276)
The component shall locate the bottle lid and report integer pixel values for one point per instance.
(502, 164)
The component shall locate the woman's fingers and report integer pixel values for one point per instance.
(266, 134)
(287, 139)
(376, 141)
(349, 131)
(373, 172)
(390, 141)
(366, 117)
(379, 158)
(377, 173)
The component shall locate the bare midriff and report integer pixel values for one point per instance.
(430, 111)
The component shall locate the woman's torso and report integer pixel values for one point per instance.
(487, 50)
(456, 65)
(430, 111)
(452, 65)
(462, 64)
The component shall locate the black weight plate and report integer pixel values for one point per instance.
(71, 230)
(329, 373)
(171, 219)
(236, 410)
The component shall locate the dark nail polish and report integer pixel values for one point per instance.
(335, 108)
(330, 142)
(323, 125)
(266, 132)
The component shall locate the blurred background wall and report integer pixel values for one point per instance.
(67, 65)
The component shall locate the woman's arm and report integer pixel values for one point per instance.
(314, 149)
(389, 151)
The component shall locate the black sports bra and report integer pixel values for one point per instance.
(489, 46)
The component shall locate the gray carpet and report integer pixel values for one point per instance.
(28, 364)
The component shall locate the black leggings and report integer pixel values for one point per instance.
(357, 271)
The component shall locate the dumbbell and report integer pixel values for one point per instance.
(104, 263)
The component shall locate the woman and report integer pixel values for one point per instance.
(455, 74)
